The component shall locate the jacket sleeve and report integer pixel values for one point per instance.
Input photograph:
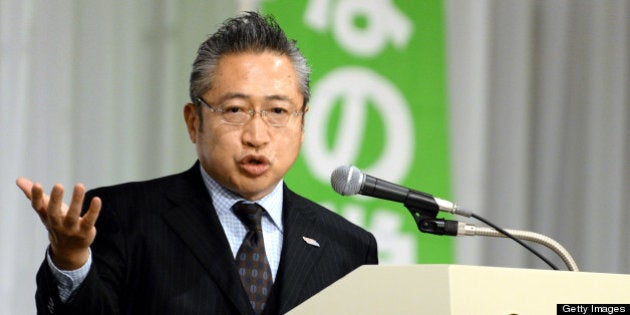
(100, 291)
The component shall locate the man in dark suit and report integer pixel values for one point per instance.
(181, 244)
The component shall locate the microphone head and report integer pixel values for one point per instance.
(347, 180)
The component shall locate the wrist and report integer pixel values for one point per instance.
(69, 259)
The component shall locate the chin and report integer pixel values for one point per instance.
(256, 191)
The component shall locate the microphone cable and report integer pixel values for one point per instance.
(509, 235)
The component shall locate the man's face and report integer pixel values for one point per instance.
(248, 159)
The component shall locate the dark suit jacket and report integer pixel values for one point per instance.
(160, 249)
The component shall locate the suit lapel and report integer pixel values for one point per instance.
(197, 224)
(298, 257)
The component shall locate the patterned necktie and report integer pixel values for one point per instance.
(251, 259)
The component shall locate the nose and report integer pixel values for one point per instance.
(256, 131)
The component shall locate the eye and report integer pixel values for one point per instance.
(233, 109)
(278, 111)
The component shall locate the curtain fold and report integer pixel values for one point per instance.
(92, 92)
(550, 79)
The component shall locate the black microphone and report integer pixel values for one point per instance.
(349, 180)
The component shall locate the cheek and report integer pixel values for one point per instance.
(291, 145)
(216, 144)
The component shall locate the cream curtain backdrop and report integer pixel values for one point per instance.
(92, 91)
(540, 123)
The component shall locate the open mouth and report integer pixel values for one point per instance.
(254, 165)
(255, 160)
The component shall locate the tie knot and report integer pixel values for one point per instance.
(250, 214)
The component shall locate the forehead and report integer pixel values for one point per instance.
(255, 75)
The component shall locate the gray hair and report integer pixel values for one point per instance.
(249, 32)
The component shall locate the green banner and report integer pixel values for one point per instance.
(378, 102)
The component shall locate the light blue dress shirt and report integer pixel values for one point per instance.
(223, 200)
(235, 230)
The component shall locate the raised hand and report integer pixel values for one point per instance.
(70, 234)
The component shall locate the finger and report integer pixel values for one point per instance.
(89, 218)
(74, 211)
(25, 185)
(39, 200)
(54, 210)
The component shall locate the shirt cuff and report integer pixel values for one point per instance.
(68, 280)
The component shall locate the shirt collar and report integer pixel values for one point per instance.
(223, 199)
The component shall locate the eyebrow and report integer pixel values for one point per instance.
(273, 97)
(229, 96)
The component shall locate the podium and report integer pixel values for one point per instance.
(463, 290)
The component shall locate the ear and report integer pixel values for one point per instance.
(192, 120)
(304, 121)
